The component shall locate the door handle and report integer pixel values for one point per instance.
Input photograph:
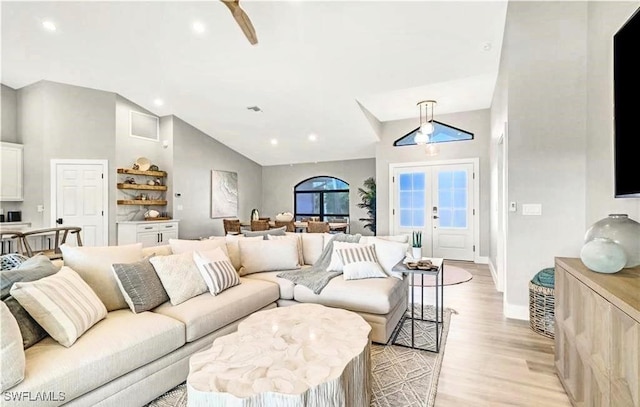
(436, 217)
(59, 221)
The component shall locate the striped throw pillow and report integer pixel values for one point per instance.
(216, 270)
(360, 262)
(63, 304)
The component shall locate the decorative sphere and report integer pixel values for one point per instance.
(603, 255)
(622, 230)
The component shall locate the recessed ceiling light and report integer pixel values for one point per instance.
(48, 25)
(312, 137)
(274, 141)
(158, 102)
(198, 27)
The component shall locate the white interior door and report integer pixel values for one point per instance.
(80, 199)
(437, 200)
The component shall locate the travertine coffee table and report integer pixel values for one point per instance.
(301, 355)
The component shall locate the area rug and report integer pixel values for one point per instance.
(452, 275)
(401, 377)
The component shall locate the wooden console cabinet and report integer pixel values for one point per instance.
(597, 335)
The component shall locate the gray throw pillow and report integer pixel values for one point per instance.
(140, 285)
(32, 269)
(273, 232)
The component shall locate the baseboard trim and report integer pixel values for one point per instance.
(494, 276)
(516, 311)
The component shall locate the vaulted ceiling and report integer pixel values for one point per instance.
(326, 68)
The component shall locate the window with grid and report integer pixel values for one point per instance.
(326, 198)
(452, 198)
(412, 196)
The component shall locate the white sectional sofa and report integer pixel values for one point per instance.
(129, 359)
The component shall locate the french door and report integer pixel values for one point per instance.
(438, 201)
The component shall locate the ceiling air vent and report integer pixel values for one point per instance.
(254, 108)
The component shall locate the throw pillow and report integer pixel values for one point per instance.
(11, 351)
(34, 268)
(217, 270)
(140, 285)
(336, 261)
(63, 304)
(274, 232)
(179, 246)
(296, 238)
(360, 262)
(93, 264)
(267, 255)
(179, 276)
(233, 251)
(389, 254)
(11, 261)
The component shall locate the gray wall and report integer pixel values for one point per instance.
(8, 106)
(476, 122)
(278, 182)
(547, 95)
(604, 19)
(195, 154)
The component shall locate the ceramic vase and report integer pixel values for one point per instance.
(416, 252)
(623, 231)
(603, 255)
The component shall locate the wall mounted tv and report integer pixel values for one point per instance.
(626, 89)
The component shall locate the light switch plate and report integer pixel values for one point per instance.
(179, 207)
(513, 206)
(532, 209)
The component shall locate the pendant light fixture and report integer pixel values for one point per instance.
(426, 121)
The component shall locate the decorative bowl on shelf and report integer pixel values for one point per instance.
(143, 163)
(152, 213)
(284, 217)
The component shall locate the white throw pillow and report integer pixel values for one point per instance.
(312, 246)
(216, 270)
(180, 276)
(336, 262)
(233, 251)
(11, 350)
(63, 304)
(389, 254)
(267, 255)
(179, 246)
(296, 238)
(93, 264)
(360, 262)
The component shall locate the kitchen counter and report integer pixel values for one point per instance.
(14, 226)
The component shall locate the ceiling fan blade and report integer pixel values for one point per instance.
(242, 19)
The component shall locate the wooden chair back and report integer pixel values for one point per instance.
(257, 225)
(290, 226)
(318, 227)
(59, 236)
(231, 226)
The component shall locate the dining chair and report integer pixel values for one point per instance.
(231, 226)
(318, 227)
(58, 235)
(291, 227)
(257, 225)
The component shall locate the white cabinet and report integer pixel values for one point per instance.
(11, 172)
(149, 233)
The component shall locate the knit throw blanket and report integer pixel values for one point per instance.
(317, 276)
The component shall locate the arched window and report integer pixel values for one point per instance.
(324, 197)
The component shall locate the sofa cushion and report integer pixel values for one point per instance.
(179, 246)
(373, 295)
(285, 286)
(180, 276)
(206, 313)
(12, 357)
(312, 246)
(32, 269)
(93, 264)
(140, 285)
(216, 270)
(162, 250)
(296, 238)
(389, 254)
(63, 304)
(336, 261)
(233, 250)
(268, 255)
(360, 262)
(118, 344)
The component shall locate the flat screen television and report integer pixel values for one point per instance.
(626, 110)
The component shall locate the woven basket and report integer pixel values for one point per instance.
(541, 309)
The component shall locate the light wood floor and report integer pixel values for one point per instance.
(490, 360)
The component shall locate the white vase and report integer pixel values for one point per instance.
(622, 230)
(603, 255)
(416, 252)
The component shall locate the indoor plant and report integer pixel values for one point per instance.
(416, 244)
(368, 196)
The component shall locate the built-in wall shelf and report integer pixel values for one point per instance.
(138, 172)
(145, 202)
(143, 186)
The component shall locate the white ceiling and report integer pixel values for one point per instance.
(314, 65)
